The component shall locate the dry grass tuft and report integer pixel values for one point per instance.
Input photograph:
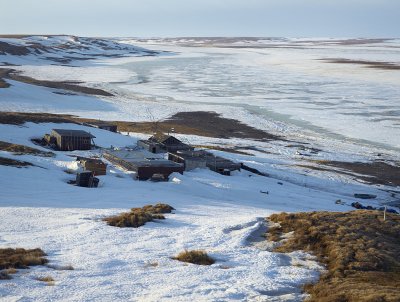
(10, 271)
(68, 267)
(139, 216)
(195, 256)
(360, 250)
(48, 279)
(21, 258)
(159, 208)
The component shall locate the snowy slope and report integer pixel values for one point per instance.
(213, 212)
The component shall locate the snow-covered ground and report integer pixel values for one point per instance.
(213, 212)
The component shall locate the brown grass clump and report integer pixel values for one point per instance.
(159, 208)
(360, 251)
(21, 258)
(139, 216)
(48, 279)
(10, 271)
(11, 259)
(22, 149)
(195, 256)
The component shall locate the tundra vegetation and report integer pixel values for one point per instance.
(195, 256)
(359, 249)
(139, 216)
(19, 258)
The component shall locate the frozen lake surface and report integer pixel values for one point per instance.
(291, 85)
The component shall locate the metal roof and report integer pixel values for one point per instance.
(142, 158)
(68, 132)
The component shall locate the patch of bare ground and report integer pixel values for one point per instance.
(22, 149)
(19, 258)
(359, 249)
(368, 64)
(202, 123)
(377, 172)
(195, 256)
(14, 163)
(139, 216)
(65, 85)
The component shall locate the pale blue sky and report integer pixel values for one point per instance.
(155, 18)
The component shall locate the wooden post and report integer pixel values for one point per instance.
(384, 214)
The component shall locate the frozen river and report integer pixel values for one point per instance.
(282, 86)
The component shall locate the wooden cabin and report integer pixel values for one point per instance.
(69, 140)
(161, 143)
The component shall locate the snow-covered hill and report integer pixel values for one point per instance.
(63, 49)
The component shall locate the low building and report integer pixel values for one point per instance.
(161, 143)
(145, 164)
(103, 125)
(95, 165)
(203, 159)
(190, 159)
(151, 146)
(69, 140)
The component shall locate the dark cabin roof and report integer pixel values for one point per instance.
(67, 132)
(165, 139)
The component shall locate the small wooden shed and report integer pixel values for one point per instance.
(69, 140)
(95, 165)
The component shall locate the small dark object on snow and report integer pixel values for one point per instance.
(264, 192)
(280, 183)
(86, 179)
(359, 206)
(364, 196)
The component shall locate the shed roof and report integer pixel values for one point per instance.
(163, 138)
(68, 132)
